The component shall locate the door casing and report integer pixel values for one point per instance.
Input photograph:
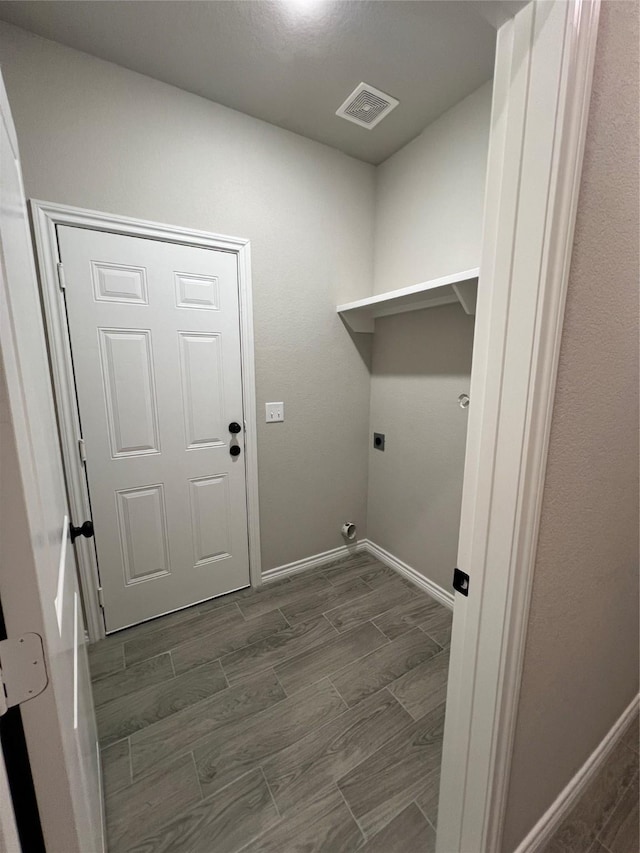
(46, 217)
(542, 90)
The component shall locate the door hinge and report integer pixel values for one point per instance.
(461, 581)
(62, 283)
(82, 450)
(101, 597)
(23, 674)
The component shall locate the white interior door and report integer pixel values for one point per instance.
(155, 341)
(37, 566)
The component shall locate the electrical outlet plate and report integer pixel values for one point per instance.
(378, 440)
(274, 412)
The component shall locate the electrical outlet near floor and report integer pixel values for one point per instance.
(274, 412)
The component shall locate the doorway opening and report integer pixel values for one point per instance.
(504, 137)
(371, 618)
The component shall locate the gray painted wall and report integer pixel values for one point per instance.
(421, 363)
(581, 662)
(430, 198)
(429, 202)
(95, 135)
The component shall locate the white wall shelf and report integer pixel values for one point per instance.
(460, 287)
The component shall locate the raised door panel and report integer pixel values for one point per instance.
(142, 520)
(129, 388)
(197, 291)
(210, 517)
(119, 283)
(202, 389)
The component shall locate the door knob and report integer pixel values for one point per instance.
(234, 450)
(85, 529)
(235, 427)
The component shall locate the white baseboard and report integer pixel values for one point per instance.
(376, 551)
(311, 562)
(539, 836)
(435, 591)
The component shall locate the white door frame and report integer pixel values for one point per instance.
(542, 87)
(46, 216)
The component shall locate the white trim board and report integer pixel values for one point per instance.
(312, 562)
(539, 836)
(46, 216)
(441, 595)
(541, 96)
(457, 287)
(378, 553)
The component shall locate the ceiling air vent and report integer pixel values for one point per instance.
(367, 106)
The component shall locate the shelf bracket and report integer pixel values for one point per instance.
(467, 293)
(358, 322)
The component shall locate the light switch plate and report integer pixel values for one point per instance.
(274, 412)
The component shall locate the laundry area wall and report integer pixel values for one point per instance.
(429, 201)
(324, 228)
(95, 135)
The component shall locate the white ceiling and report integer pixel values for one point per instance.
(292, 62)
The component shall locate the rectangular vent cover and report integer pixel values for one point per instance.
(367, 106)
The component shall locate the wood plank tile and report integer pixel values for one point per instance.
(160, 623)
(273, 597)
(424, 687)
(222, 601)
(121, 717)
(154, 643)
(315, 604)
(224, 823)
(329, 656)
(250, 660)
(632, 735)
(268, 584)
(596, 847)
(309, 742)
(409, 831)
(324, 826)
(595, 807)
(382, 785)
(427, 798)
(621, 833)
(338, 571)
(236, 747)
(378, 575)
(438, 626)
(369, 606)
(105, 657)
(134, 811)
(116, 767)
(226, 640)
(133, 678)
(410, 614)
(379, 668)
(298, 774)
(373, 822)
(185, 729)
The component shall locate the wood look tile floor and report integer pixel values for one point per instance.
(606, 817)
(304, 717)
